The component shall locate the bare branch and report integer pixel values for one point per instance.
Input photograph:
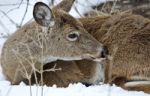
(16, 7)
(13, 22)
(15, 4)
(25, 13)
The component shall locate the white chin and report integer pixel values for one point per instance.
(51, 59)
(99, 59)
(70, 58)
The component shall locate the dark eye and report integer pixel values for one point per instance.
(73, 36)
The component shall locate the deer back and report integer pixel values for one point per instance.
(127, 37)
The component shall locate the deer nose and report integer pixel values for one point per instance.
(104, 52)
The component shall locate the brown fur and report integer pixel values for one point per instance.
(33, 46)
(71, 72)
(127, 37)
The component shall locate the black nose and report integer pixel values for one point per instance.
(104, 52)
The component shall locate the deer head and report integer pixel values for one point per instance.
(66, 37)
(55, 35)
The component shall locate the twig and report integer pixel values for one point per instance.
(113, 7)
(15, 4)
(51, 3)
(17, 26)
(76, 9)
(16, 7)
(81, 4)
(53, 69)
(25, 13)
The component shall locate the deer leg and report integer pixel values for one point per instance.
(138, 86)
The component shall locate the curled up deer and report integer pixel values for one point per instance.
(57, 40)
(55, 35)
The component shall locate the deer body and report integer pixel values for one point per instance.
(127, 37)
(128, 40)
(71, 72)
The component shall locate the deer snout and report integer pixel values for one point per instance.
(102, 54)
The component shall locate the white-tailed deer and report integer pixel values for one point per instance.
(57, 36)
(126, 36)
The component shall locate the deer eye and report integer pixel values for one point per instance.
(73, 36)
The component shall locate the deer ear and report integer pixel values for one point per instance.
(42, 14)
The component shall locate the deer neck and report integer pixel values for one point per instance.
(93, 24)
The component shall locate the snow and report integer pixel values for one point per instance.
(8, 27)
(72, 90)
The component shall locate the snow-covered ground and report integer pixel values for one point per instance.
(10, 16)
(71, 90)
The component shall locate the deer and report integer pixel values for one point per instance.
(126, 64)
(127, 37)
(53, 36)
